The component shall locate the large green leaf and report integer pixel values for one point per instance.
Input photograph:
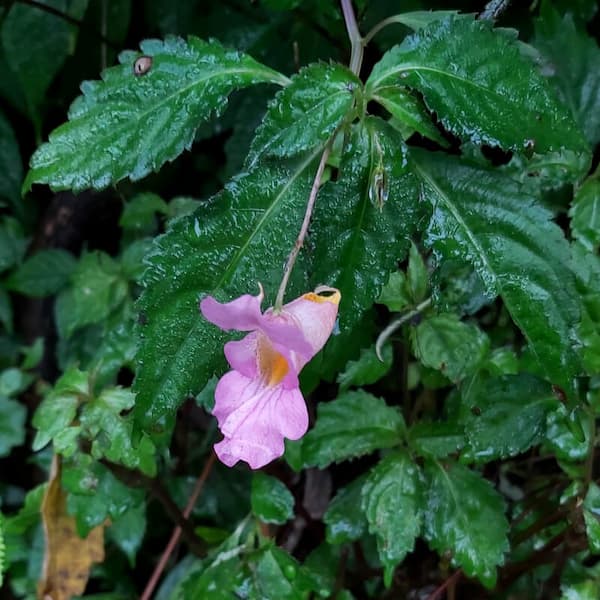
(391, 501)
(489, 220)
(225, 248)
(575, 65)
(464, 515)
(480, 86)
(364, 220)
(353, 424)
(128, 125)
(504, 416)
(307, 112)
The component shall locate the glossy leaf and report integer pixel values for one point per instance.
(12, 424)
(438, 439)
(363, 220)
(567, 432)
(488, 220)
(395, 294)
(504, 416)
(574, 67)
(366, 369)
(307, 112)
(391, 499)
(43, 274)
(345, 518)
(128, 531)
(480, 86)
(464, 515)
(591, 516)
(585, 214)
(271, 501)
(353, 424)
(128, 125)
(445, 343)
(226, 248)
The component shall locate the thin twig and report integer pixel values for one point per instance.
(162, 563)
(69, 19)
(289, 264)
(395, 325)
(356, 41)
(437, 593)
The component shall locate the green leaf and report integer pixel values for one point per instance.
(353, 424)
(585, 214)
(504, 416)
(363, 220)
(128, 530)
(307, 112)
(98, 287)
(12, 243)
(480, 86)
(43, 274)
(407, 111)
(438, 439)
(567, 432)
(391, 501)
(271, 501)
(591, 516)
(224, 249)
(54, 414)
(366, 369)
(345, 518)
(36, 43)
(488, 220)
(464, 515)
(12, 425)
(575, 67)
(11, 174)
(417, 275)
(446, 344)
(139, 213)
(128, 125)
(6, 311)
(395, 293)
(583, 590)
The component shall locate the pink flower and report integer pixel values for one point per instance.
(259, 402)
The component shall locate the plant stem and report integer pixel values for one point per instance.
(162, 563)
(437, 593)
(395, 325)
(356, 40)
(289, 264)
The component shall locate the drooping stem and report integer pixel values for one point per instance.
(162, 563)
(356, 40)
(395, 325)
(291, 260)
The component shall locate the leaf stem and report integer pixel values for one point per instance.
(356, 41)
(395, 325)
(381, 25)
(162, 563)
(291, 260)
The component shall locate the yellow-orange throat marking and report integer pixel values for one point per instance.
(272, 365)
(312, 297)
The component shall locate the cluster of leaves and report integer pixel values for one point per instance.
(453, 415)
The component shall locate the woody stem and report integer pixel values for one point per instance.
(289, 264)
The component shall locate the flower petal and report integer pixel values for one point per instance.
(241, 355)
(254, 418)
(243, 313)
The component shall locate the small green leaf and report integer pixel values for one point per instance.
(464, 515)
(366, 369)
(12, 425)
(353, 424)
(485, 218)
(345, 518)
(271, 501)
(504, 416)
(128, 530)
(307, 112)
(98, 287)
(417, 275)
(395, 293)
(12, 243)
(480, 86)
(407, 110)
(591, 516)
(567, 432)
(128, 125)
(391, 501)
(445, 343)
(54, 414)
(43, 274)
(139, 214)
(438, 439)
(585, 214)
